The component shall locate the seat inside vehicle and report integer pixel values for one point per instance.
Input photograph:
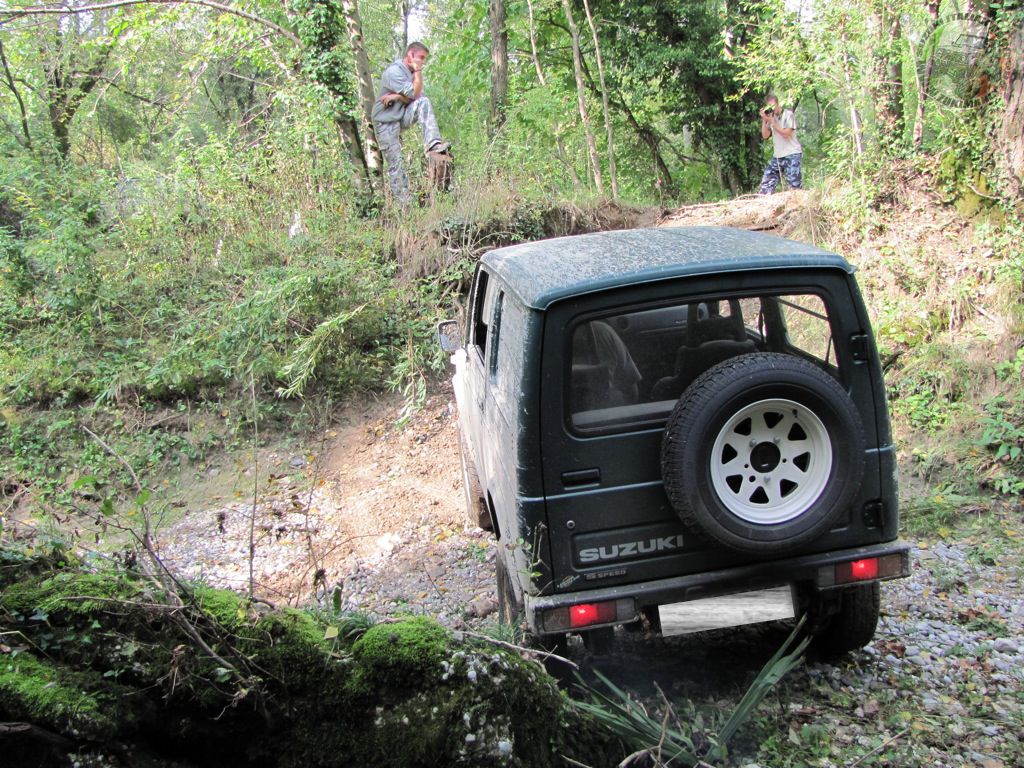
(710, 339)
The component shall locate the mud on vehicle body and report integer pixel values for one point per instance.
(652, 417)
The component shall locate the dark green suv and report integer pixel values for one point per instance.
(653, 417)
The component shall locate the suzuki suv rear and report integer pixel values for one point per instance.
(652, 417)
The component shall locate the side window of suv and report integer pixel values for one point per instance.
(481, 317)
(486, 320)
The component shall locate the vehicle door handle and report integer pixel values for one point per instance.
(579, 477)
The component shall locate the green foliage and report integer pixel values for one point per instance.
(1003, 438)
(327, 57)
(691, 743)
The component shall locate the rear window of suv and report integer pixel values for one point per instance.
(629, 369)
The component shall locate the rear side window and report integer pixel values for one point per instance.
(807, 326)
(628, 369)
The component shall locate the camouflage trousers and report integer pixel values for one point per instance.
(389, 135)
(788, 166)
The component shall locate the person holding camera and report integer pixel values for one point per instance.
(780, 125)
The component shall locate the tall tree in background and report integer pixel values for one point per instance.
(604, 102)
(886, 82)
(499, 65)
(75, 55)
(364, 77)
(924, 80)
(1000, 89)
(563, 156)
(327, 61)
(581, 96)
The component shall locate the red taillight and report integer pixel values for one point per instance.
(868, 569)
(864, 569)
(591, 613)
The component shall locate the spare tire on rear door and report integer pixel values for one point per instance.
(763, 453)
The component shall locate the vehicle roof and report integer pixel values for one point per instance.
(545, 271)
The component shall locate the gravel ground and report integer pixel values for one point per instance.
(941, 685)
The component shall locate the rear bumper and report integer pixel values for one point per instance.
(808, 570)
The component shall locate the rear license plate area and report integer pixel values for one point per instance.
(726, 611)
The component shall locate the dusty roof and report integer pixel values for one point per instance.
(548, 270)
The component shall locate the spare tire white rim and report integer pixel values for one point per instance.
(771, 461)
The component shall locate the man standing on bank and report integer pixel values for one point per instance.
(402, 103)
(780, 126)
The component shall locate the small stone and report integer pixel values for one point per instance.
(433, 570)
(470, 738)
(1005, 645)
(297, 462)
(482, 606)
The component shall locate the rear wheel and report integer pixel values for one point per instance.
(853, 624)
(476, 505)
(510, 614)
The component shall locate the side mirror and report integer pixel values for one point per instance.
(449, 335)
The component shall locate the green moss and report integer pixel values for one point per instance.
(228, 609)
(402, 655)
(76, 703)
(67, 594)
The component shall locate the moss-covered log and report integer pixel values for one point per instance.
(95, 662)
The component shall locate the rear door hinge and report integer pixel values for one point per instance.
(860, 346)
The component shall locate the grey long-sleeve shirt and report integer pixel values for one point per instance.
(397, 78)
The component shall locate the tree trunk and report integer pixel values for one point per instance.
(855, 125)
(67, 87)
(924, 84)
(887, 75)
(350, 10)
(499, 66)
(348, 131)
(406, 10)
(581, 97)
(12, 86)
(604, 102)
(1010, 131)
(649, 137)
(563, 156)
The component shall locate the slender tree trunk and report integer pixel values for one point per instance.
(563, 156)
(887, 75)
(581, 97)
(348, 131)
(406, 10)
(855, 125)
(350, 10)
(650, 137)
(12, 86)
(604, 102)
(499, 66)
(1010, 131)
(924, 84)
